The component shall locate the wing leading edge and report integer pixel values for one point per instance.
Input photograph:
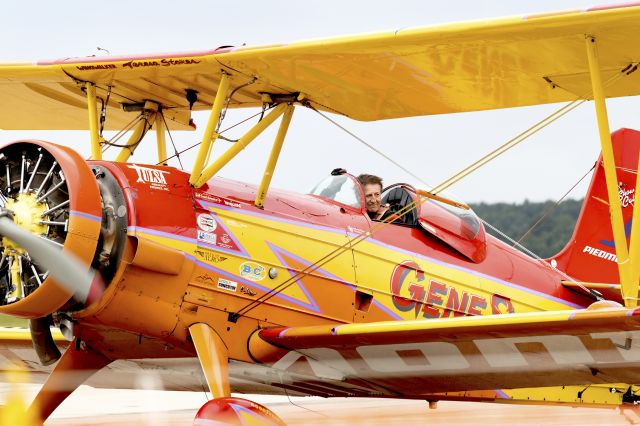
(414, 358)
(463, 67)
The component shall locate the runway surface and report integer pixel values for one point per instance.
(111, 407)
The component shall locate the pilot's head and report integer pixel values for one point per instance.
(372, 188)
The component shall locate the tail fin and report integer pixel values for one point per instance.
(590, 254)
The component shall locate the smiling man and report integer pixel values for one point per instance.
(372, 188)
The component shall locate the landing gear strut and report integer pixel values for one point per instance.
(223, 408)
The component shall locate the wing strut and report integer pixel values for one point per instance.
(147, 117)
(162, 144)
(92, 109)
(241, 144)
(273, 157)
(213, 357)
(629, 287)
(210, 132)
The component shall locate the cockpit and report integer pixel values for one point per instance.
(459, 228)
(401, 199)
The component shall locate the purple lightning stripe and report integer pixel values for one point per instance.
(86, 215)
(340, 231)
(136, 229)
(283, 332)
(241, 249)
(387, 310)
(401, 250)
(218, 248)
(278, 251)
(255, 418)
(252, 284)
(502, 394)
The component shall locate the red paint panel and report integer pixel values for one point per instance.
(590, 254)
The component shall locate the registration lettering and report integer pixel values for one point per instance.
(549, 352)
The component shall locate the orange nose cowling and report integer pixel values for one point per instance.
(82, 215)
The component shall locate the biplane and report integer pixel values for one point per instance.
(146, 268)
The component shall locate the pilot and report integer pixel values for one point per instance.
(372, 188)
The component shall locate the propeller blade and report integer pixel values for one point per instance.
(69, 272)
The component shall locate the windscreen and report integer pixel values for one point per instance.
(340, 188)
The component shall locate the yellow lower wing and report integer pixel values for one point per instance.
(419, 358)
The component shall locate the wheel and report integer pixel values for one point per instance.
(235, 412)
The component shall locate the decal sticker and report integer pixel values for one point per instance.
(226, 242)
(252, 271)
(210, 256)
(227, 284)
(218, 200)
(600, 253)
(207, 237)
(206, 222)
(248, 291)
(220, 237)
(154, 177)
(159, 63)
(205, 279)
(627, 195)
(96, 67)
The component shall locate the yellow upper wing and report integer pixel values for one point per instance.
(462, 67)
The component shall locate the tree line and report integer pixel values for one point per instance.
(548, 237)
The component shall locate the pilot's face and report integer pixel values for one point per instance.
(372, 197)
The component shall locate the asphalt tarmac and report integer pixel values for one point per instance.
(111, 407)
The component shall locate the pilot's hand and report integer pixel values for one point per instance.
(381, 211)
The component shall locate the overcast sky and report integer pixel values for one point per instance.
(434, 148)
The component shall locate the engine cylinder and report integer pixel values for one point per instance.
(51, 192)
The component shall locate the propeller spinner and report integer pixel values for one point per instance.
(68, 271)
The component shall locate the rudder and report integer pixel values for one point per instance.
(590, 254)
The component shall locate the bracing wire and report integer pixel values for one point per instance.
(476, 165)
(507, 146)
(286, 392)
(131, 147)
(175, 150)
(561, 112)
(349, 244)
(553, 207)
(221, 132)
(112, 142)
(371, 147)
(494, 154)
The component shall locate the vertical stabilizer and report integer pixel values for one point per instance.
(590, 255)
